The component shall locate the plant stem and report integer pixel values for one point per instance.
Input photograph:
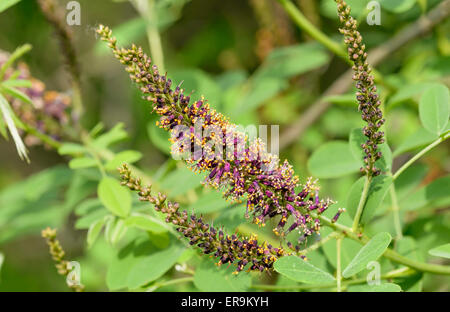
(41, 136)
(14, 56)
(298, 17)
(362, 202)
(389, 253)
(395, 211)
(146, 9)
(338, 257)
(302, 22)
(171, 282)
(318, 244)
(78, 108)
(393, 274)
(435, 143)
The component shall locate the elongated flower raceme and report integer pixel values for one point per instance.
(63, 266)
(369, 103)
(234, 163)
(227, 248)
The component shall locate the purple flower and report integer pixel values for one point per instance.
(272, 189)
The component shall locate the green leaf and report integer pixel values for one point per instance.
(153, 266)
(332, 160)
(22, 83)
(420, 138)
(16, 93)
(114, 197)
(231, 78)
(92, 216)
(160, 240)
(159, 137)
(427, 195)
(384, 287)
(284, 62)
(114, 135)
(271, 77)
(377, 191)
(83, 162)
(71, 149)
(180, 181)
(357, 138)
(212, 201)
(409, 92)
(342, 99)
(441, 251)
(126, 258)
(146, 223)
(209, 277)
(369, 252)
(34, 203)
(348, 251)
(126, 33)
(434, 109)
(397, 6)
(47, 180)
(117, 231)
(79, 189)
(409, 179)
(3, 130)
(200, 82)
(110, 221)
(94, 230)
(9, 117)
(5, 4)
(128, 156)
(87, 206)
(328, 8)
(301, 271)
(407, 246)
(18, 52)
(259, 91)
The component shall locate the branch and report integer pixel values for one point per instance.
(433, 144)
(387, 276)
(389, 253)
(344, 82)
(312, 30)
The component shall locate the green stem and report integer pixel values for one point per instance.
(361, 204)
(146, 9)
(14, 56)
(338, 258)
(41, 136)
(77, 101)
(393, 274)
(171, 282)
(298, 17)
(395, 211)
(389, 253)
(318, 244)
(435, 143)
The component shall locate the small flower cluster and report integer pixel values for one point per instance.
(244, 170)
(368, 99)
(227, 248)
(58, 256)
(49, 109)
